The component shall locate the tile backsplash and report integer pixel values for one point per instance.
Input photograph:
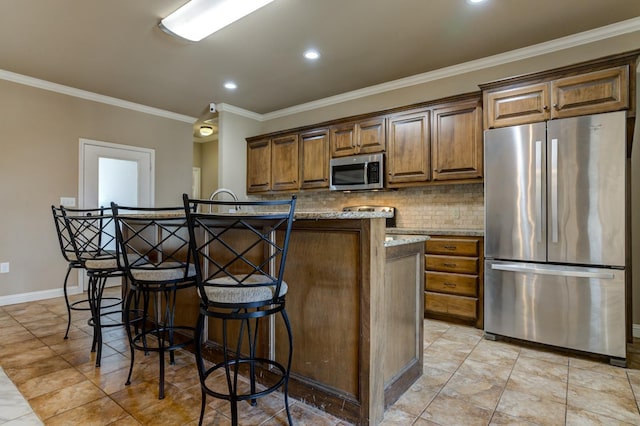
(428, 207)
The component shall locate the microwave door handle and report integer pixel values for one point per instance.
(366, 172)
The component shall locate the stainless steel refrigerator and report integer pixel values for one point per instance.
(555, 233)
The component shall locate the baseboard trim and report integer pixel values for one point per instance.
(636, 330)
(37, 295)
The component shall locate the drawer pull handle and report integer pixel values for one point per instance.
(450, 265)
(450, 285)
(450, 247)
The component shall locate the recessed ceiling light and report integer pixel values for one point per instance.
(474, 1)
(311, 54)
(230, 85)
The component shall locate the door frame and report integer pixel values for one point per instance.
(122, 149)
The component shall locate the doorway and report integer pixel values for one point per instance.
(112, 172)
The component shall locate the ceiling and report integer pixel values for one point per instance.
(115, 48)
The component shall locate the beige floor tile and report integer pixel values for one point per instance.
(64, 399)
(103, 411)
(503, 419)
(549, 370)
(558, 356)
(494, 373)
(397, 417)
(495, 353)
(577, 417)
(596, 380)
(445, 410)
(477, 391)
(50, 382)
(419, 395)
(531, 408)
(597, 366)
(540, 386)
(605, 403)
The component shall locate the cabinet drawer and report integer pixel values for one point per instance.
(459, 247)
(453, 305)
(464, 285)
(458, 264)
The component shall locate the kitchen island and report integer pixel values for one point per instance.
(356, 309)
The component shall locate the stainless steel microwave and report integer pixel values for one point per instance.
(356, 173)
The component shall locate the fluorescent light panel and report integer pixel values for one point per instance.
(198, 19)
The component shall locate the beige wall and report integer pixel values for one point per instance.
(39, 136)
(209, 175)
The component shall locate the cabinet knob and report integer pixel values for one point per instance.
(555, 106)
(546, 107)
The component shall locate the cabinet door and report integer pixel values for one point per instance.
(521, 105)
(371, 136)
(343, 140)
(284, 163)
(314, 159)
(408, 153)
(456, 143)
(259, 166)
(595, 92)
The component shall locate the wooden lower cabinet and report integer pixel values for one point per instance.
(454, 279)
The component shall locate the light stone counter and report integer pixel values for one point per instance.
(424, 231)
(392, 240)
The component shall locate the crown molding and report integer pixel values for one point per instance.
(240, 111)
(90, 96)
(613, 30)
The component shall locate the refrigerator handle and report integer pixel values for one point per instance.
(538, 189)
(541, 270)
(554, 190)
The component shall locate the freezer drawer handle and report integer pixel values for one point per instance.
(557, 272)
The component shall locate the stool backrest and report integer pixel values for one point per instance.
(91, 233)
(154, 243)
(64, 237)
(245, 248)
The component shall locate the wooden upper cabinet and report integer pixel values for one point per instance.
(580, 94)
(408, 149)
(259, 166)
(510, 107)
(371, 135)
(284, 163)
(343, 140)
(359, 137)
(595, 92)
(456, 141)
(314, 159)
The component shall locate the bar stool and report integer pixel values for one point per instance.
(240, 261)
(154, 245)
(69, 254)
(92, 237)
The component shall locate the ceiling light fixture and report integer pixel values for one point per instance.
(230, 85)
(206, 131)
(198, 19)
(311, 54)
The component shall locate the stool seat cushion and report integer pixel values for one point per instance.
(105, 264)
(255, 288)
(167, 271)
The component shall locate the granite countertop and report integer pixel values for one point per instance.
(391, 240)
(341, 215)
(426, 231)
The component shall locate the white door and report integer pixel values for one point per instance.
(112, 172)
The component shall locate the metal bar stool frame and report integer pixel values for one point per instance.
(153, 243)
(236, 287)
(92, 237)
